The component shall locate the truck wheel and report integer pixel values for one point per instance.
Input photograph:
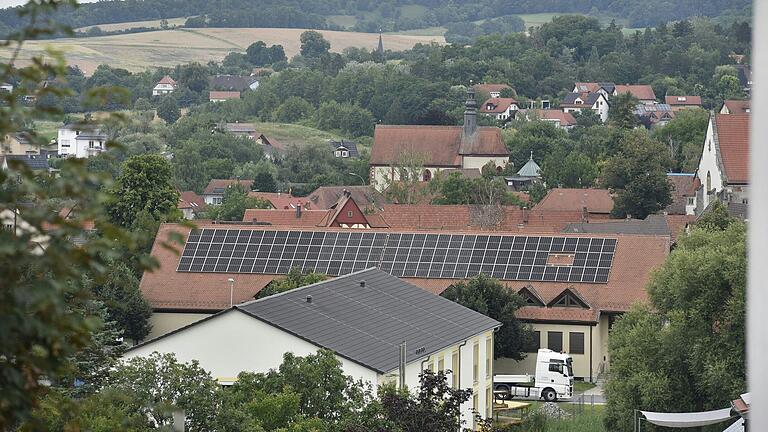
(504, 388)
(549, 395)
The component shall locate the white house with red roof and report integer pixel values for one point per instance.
(682, 102)
(643, 92)
(723, 171)
(500, 108)
(165, 86)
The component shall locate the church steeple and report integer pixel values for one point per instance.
(380, 49)
(470, 112)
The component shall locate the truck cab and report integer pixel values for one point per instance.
(553, 379)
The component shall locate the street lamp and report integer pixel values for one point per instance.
(231, 291)
(362, 180)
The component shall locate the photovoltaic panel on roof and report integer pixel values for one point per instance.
(414, 255)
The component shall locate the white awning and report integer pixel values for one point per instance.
(737, 426)
(687, 420)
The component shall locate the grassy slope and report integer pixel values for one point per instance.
(288, 134)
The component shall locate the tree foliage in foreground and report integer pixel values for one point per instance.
(294, 279)
(685, 351)
(490, 297)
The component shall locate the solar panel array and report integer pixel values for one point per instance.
(444, 256)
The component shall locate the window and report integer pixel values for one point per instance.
(474, 409)
(455, 369)
(555, 341)
(217, 200)
(488, 403)
(338, 153)
(709, 182)
(344, 153)
(556, 367)
(349, 213)
(534, 343)
(431, 366)
(691, 201)
(529, 298)
(475, 362)
(488, 357)
(90, 144)
(567, 300)
(441, 365)
(427, 175)
(576, 343)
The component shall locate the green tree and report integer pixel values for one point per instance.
(234, 204)
(258, 54)
(575, 170)
(40, 268)
(347, 118)
(622, 112)
(293, 109)
(168, 109)
(638, 174)
(145, 183)
(163, 384)
(124, 304)
(313, 44)
(294, 279)
(684, 137)
(194, 76)
(489, 297)
(685, 351)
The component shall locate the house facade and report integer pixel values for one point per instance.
(214, 191)
(500, 108)
(18, 144)
(221, 96)
(576, 102)
(493, 90)
(723, 171)
(80, 141)
(165, 86)
(344, 149)
(364, 317)
(682, 102)
(396, 149)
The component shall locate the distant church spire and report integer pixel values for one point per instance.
(470, 112)
(380, 49)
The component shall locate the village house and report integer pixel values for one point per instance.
(735, 107)
(644, 93)
(190, 204)
(344, 149)
(214, 191)
(561, 120)
(593, 203)
(345, 213)
(684, 187)
(500, 108)
(682, 102)
(651, 116)
(368, 319)
(435, 148)
(492, 90)
(35, 162)
(80, 141)
(165, 86)
(6, 87)
(326, 197)
(233, 83)
(20, 143)
(576, 102)
(221, 96)
(723, 171)
(527, 175)
(281, 200)
(574, 284)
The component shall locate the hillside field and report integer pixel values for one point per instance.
(139, 51)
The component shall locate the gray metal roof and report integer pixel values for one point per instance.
(366, 324)
(33, 162)
(651, 225)
(530, 169)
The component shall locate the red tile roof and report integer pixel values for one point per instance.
(442, 146)
(487, 88)
(677, 224)
(684, 187)
(640, 91)
(287, 218)
(326, 197)
(191, 200)
(635, 257)
(167, 80)
(590, 87)
(565, 118)
(223, 184)
(733, 140)
(496, 105)
(565, 199)
(683, 100)
(281, 201)
(223, 95)
(737, 106)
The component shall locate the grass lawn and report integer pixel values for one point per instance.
(345, 21)
(582, 386)
(288, 134)
(586, 418)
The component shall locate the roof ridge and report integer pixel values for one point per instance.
(307, 286)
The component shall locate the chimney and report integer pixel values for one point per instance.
(298, 212)
(362, 284)
(584, 214)
(470, 113)
(525, 215)
(309, 299)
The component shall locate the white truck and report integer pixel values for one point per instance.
(553, 379)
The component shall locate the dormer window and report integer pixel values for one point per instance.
(530, 296)
(344, 153)
(569, 298)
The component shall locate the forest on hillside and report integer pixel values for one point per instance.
(392, 15)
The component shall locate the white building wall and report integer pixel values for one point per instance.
(601, 108)
(166, 322)
(67, 142)
(234, 342)
(480, 161)
(708, 164)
